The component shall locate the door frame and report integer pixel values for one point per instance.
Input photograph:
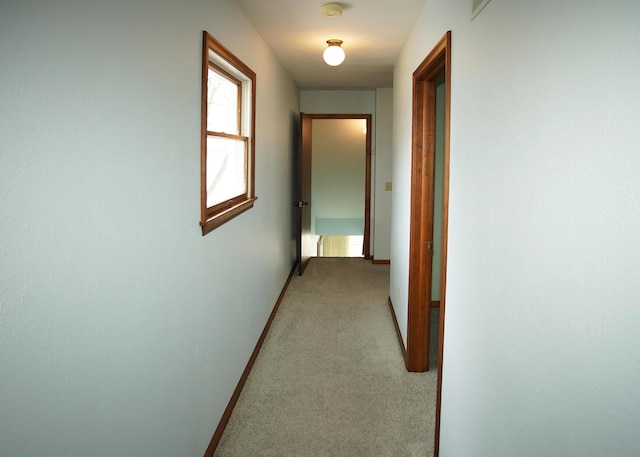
(437, 62)
(367, 191)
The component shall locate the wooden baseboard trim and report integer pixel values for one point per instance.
(398, 333)
(215, 440)
(381, 262)
(435, 304)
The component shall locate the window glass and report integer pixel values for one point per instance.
(226, 165)
(223, 101)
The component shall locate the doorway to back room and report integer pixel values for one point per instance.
(338, 186)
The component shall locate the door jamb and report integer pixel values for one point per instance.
(438, 61)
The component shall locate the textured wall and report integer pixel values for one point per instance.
(124, 331)
(541, 346)
(338, 101)
(382, 174)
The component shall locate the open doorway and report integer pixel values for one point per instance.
(340, 176)
(431, 94)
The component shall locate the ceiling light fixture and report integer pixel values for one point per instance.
(332, 9)
(334, 54)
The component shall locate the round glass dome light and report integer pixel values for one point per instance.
(334, 54)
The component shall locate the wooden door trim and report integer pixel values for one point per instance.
(367, 190)
(437, 62)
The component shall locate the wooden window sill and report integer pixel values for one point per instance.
(225, 216)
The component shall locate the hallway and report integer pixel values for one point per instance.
(330, 379)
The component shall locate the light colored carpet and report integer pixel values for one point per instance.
(330, 379)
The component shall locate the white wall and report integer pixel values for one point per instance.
(378, 104)
(124, 331)
(382, 174)
(543, 281)
(338, 101)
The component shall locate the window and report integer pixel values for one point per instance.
(228, 136)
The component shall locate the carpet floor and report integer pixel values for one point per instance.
(330, 380)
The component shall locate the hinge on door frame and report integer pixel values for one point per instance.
(429, 246)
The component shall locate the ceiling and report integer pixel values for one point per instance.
(373, 31)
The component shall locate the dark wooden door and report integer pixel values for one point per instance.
(306, 245)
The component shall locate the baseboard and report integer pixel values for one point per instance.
(380, 262)
(215, 440)
(435, 304)
(395, 323)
